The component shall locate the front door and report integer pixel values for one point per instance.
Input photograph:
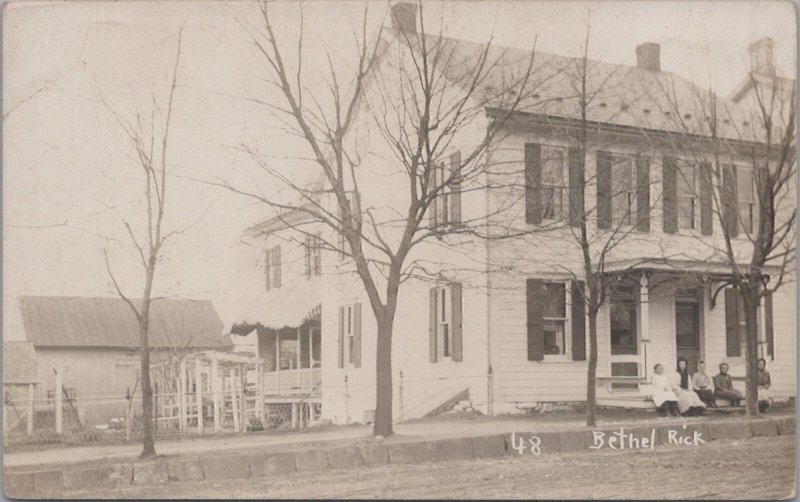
(687, 332)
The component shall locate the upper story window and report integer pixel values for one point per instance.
(272, 268)
(745, 193)
(623, 190)
(446, 206)
(687, 196)
(552, 184)
(545, 185)
(313, 255)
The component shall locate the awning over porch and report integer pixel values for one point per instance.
(290, 311)
(716, 270)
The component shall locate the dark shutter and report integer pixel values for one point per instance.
(455, 305)
(706, 199)
(730, 214)
(533, 181)
(341, 337)
(578, 321)
(603, 189)
(455, 188)
(535, 320)
(670, 198)
(768, 326)
(576, 182)
(308, 256)
(277, 265)
(357, 335)
(432, 326)
(732, 323)
(433, 206)
(643, 193)
(267, 268)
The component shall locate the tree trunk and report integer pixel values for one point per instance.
(751, 350)
(383, 397)
(591, 384)
(148, 439)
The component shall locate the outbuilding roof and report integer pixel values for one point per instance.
(58, 321)
(19, 363)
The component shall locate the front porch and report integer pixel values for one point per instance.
(656, 314)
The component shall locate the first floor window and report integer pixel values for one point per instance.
(623, 323)
(555, 318)
(445, 322)
(349, 331)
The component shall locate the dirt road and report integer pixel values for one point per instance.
(759, 468)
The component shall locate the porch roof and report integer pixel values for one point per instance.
(715, 269)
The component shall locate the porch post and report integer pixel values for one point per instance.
(644, 321)
(59, 405)
(299, 382)
(182, 395)
(278, 361)
(215, 392)
(198, 392)
(31, 387)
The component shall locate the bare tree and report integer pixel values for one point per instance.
(150, 144)
(745, 157)
(422, 93)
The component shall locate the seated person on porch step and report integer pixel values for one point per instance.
(764, 383)
(663, 396)
(703, 386)
(723, 387)
(689, 404)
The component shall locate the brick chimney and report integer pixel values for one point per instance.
(648, 56)
(762, 57)
(404, 17)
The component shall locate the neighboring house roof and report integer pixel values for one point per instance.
(19, 363)
(56, 321)
(766, 82)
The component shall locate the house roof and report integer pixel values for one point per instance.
(619, 94)
(19, 363)
(56, 321)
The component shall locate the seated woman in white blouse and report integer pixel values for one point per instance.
(663, 395)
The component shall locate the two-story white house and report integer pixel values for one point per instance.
(499, 326)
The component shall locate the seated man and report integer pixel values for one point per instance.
(702, 385)
(723, 387)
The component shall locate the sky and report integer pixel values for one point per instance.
(70, 177)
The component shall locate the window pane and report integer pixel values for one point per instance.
(623, 199)
(554, 300)
(551, 203)
(553, 167)
(445, 340)
(746, 217)
(554, 337)
(623, 328)
(288, 352)
(686, 212)
(744, 184)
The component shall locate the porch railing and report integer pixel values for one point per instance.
(292, 382)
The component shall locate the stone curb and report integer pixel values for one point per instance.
(54, 482)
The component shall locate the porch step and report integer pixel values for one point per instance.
(626, 401)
